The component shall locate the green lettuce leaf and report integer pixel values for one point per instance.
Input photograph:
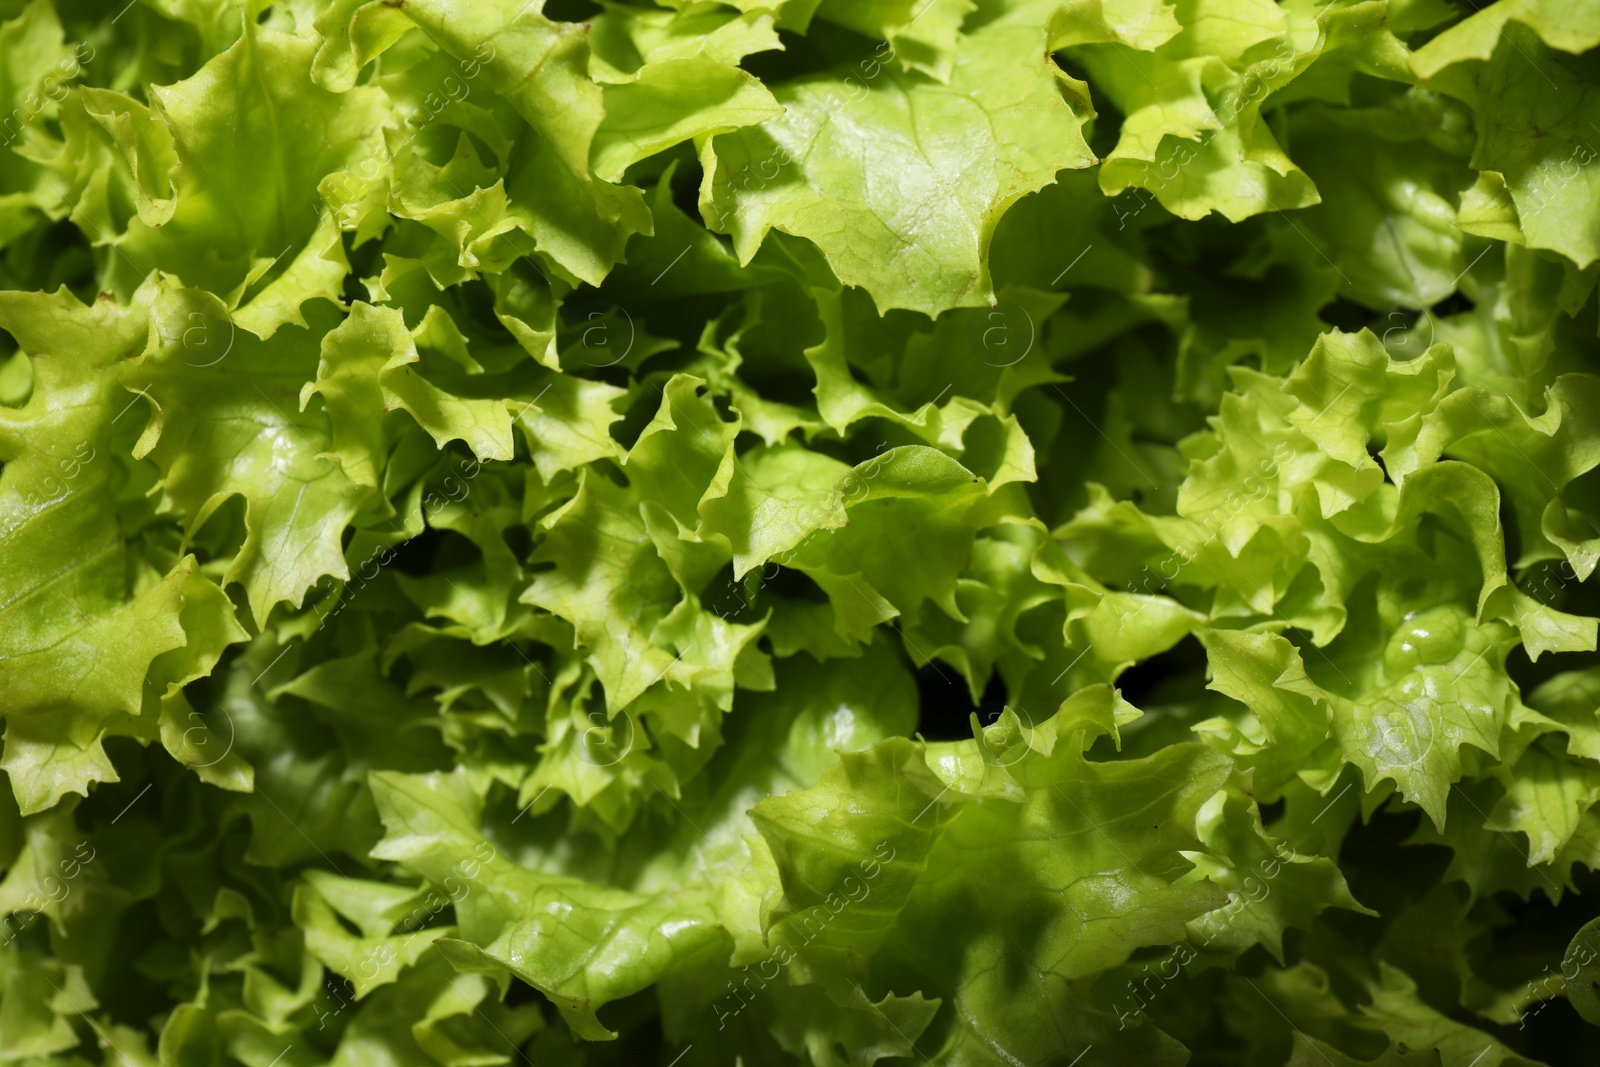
(920, 201)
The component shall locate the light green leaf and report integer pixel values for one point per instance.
(370, 365)
(1271, 886)
(234, 215)
(672, 101)
(922, 35)
(899, 179)
(581, 944)
(1546, 796)
(1534, 108)
(79, 635)
(1562, 24)
(225, 421)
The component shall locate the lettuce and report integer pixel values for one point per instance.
(975, 532)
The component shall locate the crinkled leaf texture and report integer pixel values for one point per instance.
(817, 532)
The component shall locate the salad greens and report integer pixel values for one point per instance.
(834, 532)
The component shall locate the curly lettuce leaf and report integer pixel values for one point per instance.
(882, 169)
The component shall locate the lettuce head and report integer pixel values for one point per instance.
(976, 533)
